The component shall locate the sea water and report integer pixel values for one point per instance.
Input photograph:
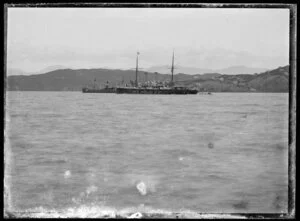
(75, 153)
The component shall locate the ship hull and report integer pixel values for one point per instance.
(154, 91)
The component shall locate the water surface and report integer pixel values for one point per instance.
(225, 152)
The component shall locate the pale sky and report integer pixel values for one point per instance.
(110, 37)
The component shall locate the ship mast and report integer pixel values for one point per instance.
(137, 67)
(172, 69)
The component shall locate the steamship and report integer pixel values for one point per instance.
(167, 88)
(145, 88)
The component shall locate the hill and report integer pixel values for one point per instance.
(73, 80)
(192, 71)
(240, 70)
(276, 80)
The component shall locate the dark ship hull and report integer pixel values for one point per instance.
(124, 90)
(103, 90)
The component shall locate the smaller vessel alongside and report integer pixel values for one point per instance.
(94, 89)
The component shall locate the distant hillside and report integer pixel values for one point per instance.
(276, 80)
(73, 80)
(240, 70)
(192, 71)
(165, 69)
